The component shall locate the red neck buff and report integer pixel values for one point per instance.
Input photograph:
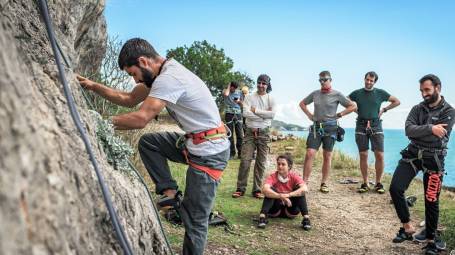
(326, 89)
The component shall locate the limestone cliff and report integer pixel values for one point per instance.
(50, 199)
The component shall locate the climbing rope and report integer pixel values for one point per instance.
(119, 231)
(76, 118)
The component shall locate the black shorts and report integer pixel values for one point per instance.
(374, 135)
(327, 139)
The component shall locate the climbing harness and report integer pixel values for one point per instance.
(208, 135)
(319, 128)
(423, 153)
(369, 127)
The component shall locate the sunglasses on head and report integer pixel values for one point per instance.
(322, 80)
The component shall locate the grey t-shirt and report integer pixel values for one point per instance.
(325, 105)
(190, 102)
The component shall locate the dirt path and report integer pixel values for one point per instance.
(344, 222)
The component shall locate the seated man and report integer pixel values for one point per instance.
(284, 194)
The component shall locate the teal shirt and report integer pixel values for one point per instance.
(369, 102)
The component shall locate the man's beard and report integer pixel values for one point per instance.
(147, 77)
(431, 99)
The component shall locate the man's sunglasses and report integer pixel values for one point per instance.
(322, 80)
(262, 83)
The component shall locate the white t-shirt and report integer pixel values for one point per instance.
(264, 113)
(191, 104)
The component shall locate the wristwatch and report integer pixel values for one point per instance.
(384, 109)
(339, 115)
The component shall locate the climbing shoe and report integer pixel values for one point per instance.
(431, 249)
(324, 188)
(402, 236)
(238, 193)
(165, 201)
(262, 222)
(379, 188)
(306, 225)
(258, 195)
(363, 188)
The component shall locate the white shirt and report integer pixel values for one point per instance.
(264, 113)
(191, 104)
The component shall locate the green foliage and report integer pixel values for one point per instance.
(111, 76)
(116, 150)
(211, 65)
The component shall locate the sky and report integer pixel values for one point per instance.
(292, 41)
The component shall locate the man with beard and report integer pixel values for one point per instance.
(428, 128)
(204, 146)
(369, 127)
(259, 110)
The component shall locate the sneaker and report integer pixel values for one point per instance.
(363, 188)
(262, 222)
(421, 237)
(324, 188)
(165, 201)
(402, 236)
(431, 249)
(411, 200)
(238, 193)
(440, 244)
(306, 225)
(379, 188)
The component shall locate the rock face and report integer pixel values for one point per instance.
(50, 199)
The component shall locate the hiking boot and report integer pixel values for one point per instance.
(402, 236)
(306, 225)
(379, 188)
(174, 202)
(258, 195)
(363, 188)
(238, 193)
(324, 188)
(262, 222)
(431, 249)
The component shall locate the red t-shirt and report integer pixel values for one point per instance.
(294, 180)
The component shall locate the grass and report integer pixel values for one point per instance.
(240, 212)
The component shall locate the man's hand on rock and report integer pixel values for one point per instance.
(85, 83)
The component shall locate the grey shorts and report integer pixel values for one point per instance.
(375, 136)
(327, 139)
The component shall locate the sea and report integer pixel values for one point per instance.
(394, 141)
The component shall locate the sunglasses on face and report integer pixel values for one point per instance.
(262, 83)
(323, 80)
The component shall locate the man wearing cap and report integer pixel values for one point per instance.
(369, 127)
(325, 125)
(259, 110)
(233, 99)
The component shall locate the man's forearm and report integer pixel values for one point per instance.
(394, 103)
(115, 96)
(133, 120)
